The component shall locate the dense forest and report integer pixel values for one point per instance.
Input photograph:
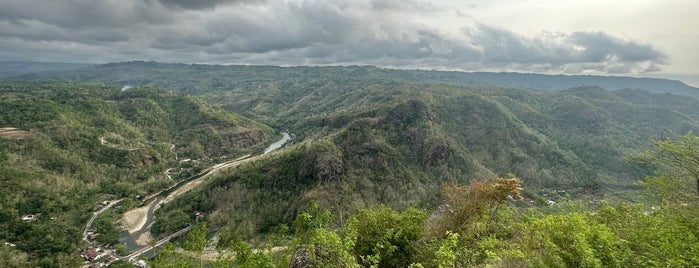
(486, 224)
(192, 78)
(65, 147)
(388, 168)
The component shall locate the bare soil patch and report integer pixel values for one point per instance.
(12, 133)
(134, 219)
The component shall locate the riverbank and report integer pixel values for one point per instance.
(137, 222)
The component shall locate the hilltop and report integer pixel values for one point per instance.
(190, 78)
(16, 68)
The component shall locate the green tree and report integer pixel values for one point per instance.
(311, 219)
(386, 238)
(651, 238)
(446, 254)
(570, 240)
(245, 257)
(169, 257)
(317, 245)
(676, 163)
(196, 241)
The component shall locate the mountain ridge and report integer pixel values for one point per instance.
(501, 79)
(363, 137)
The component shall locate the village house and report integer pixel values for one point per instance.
(93, 254)
(30, 217)
(92, 237)
(198, 215)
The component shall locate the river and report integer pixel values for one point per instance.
(139, 220)
(278, 144)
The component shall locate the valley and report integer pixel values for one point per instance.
(137, 222)
(349, 134)
(370, 146)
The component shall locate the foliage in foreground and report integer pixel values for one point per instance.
(475, 228)
(568, 235)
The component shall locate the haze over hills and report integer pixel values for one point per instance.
(358, 126)
(162, 74)
(16, 68)
(395, 143)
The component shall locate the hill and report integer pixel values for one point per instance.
(192, 78)
(367, 136)
(17, 68)
(362, 143)
(65, 147)
(562, 82)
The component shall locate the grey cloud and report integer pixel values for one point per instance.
(37, 31)
(402, 6)
(75, 14)
(202, 4)
(374, 32)
(591, 50)
(599, 45)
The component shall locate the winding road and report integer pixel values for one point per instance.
(139, 220)
(94, 216)
(131, 257)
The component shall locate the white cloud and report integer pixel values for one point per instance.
(417, 34)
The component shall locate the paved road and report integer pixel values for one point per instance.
(203, 174)
(94, 216)
(160, 242)
(144, 226)
(180, 190)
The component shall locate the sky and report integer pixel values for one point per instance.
(657, 38)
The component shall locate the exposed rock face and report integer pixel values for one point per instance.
(329, 167)
(436, 151)
(246, 137)
(408, 114)
(300, 259)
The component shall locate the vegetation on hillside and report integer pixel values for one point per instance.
(65, 147)
(195, 78)
(390, 159)
(566, 138)
(484, 225)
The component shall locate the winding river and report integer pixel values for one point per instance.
(278, 144)
(139, 220)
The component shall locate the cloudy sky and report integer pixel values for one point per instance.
(658, 38)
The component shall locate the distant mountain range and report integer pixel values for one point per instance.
(16, 68)
(148, 73)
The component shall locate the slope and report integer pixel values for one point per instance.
(376, 142)
(66, 146)
(199, 79)
(367, 135)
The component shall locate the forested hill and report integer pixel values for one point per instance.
(191, 78)
(364, 136)
(64, 147)
(567, 137)
(16, 68)
(376, 141)
(561, 82)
